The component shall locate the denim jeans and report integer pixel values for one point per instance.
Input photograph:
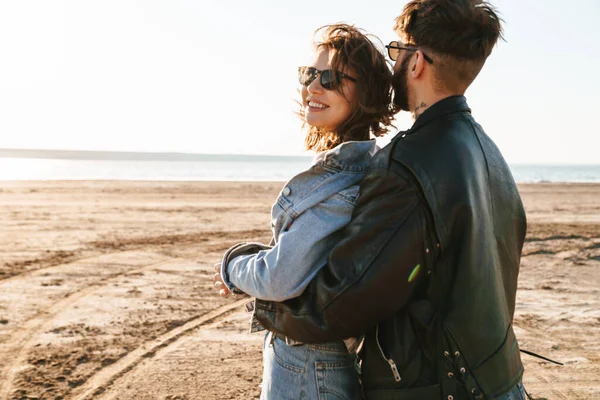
(310, 372)
(516, 393)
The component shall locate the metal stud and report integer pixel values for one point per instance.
(427, 251)
(450, 397)
(446, 354)
(450, 375)
(457, 354)
(463, 370)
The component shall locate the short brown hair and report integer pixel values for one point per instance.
(372, 112)
(460, 33)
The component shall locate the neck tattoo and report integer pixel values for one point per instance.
(419, 110)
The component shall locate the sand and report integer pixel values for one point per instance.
(106, 290)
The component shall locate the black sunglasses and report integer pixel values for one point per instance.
(329, 78)
(394, 50)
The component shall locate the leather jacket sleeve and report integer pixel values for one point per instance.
(371, 273)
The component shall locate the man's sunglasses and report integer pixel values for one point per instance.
(394, 50)
(329, 79)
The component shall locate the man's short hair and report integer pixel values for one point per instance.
(459, 33)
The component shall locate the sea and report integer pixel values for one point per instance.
(254, 168)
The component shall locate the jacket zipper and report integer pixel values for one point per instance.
(391, 362)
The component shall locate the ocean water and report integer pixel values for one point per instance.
(61, 169)
(279, 169)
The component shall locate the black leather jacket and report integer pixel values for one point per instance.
(427, 268)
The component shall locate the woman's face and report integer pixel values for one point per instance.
(327, 109)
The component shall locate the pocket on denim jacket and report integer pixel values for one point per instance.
(348, 195)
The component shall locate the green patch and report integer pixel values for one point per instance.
(414, 273)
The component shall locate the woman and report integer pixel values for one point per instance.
(346, 95)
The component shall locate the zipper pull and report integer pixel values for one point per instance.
(394, 370)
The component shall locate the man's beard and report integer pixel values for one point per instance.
(399, 83)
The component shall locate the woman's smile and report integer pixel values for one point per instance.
(316, 106)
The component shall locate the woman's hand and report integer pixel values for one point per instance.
(219, 285)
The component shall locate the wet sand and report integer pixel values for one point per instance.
(106, 290)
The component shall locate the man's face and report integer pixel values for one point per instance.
(400, 81)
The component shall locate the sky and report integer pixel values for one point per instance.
(219, 76)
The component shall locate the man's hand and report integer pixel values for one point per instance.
(219, 285)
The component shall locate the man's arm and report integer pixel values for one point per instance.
(385, 251)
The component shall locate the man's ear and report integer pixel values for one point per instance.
(418, 65)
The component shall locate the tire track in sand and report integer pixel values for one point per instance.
(99, 248)
(104, 378)
(544, 380)
(553, 386)
(23, 341)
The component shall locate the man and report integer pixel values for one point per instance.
(428, 266)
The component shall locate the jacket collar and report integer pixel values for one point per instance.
(443, 107)
(349, 156)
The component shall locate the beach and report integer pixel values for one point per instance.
(106, 289)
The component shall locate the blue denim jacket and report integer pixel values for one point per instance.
(306, 221)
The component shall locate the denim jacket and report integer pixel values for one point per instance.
(306, 221)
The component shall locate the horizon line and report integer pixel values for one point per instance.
(124, 155)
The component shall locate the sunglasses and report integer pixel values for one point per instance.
(328, 78)
(394, 50)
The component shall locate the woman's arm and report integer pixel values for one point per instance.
(284, 271)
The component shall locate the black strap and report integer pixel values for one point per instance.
(531, 353)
